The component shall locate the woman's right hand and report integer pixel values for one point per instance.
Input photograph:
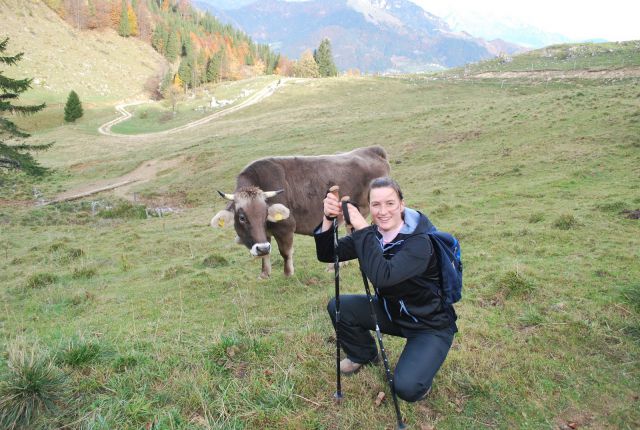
(331, 206)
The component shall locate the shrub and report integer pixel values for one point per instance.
(31, 386)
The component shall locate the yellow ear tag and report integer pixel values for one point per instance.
(278, 217)
(221, 222)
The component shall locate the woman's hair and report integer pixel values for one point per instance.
(384, 182)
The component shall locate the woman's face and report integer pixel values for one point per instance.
(386, 208)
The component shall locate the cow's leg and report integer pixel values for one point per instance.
(266, 267)
(285, 246)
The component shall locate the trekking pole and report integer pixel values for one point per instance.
(336, 272)
(387, 368)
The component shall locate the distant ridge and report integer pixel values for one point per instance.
(369, 35)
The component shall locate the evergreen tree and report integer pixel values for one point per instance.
(184, 72)
(324, 58)
(73, 108)
(213, 67)
(159, 39)
(172, 46)
(124, 30)
(16, 156)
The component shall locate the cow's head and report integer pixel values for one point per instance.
(249, 212)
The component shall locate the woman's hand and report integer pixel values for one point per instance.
(357, 220)
(331, 206)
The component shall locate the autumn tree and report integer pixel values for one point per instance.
(284, 66)
(306, 66)
(15, 155)
(324, 58)
(132, 19)
(73, 107)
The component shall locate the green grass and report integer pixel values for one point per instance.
(565, 57)
(532, 177)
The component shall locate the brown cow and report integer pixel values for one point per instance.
(292, 203)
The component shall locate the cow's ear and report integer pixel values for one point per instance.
(277, 212)
(224, 218)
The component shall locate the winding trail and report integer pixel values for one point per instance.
(256, 97)
(149, 169)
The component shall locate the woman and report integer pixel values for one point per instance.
(398, 258)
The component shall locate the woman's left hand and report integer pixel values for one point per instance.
(357, 220)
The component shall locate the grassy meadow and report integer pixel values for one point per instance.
(160, 322)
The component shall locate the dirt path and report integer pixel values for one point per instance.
(624, 72)
(125, 115)
(143, 173)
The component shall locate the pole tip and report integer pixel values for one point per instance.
(337, 396)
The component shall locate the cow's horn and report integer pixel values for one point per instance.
(226, 196)
(269, 194)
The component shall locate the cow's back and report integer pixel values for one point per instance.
(306, 180)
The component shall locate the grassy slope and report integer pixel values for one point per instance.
(531, 176)
(101, 67)
(566, 57)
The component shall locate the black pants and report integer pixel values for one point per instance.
(423, 354)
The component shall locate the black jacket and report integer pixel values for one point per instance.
(404, 272)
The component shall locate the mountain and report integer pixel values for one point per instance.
(370, 35)
(492, 27)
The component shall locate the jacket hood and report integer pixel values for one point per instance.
(416, 222)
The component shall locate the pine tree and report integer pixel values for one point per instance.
(16, 156)
(73, 108)
(124, 30)
(172, 46)
(184, 72)
(324, 58)
(213, 67)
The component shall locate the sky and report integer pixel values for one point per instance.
(612, 20)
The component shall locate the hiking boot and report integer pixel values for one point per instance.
(348, 367)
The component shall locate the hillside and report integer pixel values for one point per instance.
(99, 66)
(154, 320)
(570, 58)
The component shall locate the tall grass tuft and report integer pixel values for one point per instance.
(124, 210)
(30, 386)
(79, 352)
(40, 280)
(566, 222)
(513, 283)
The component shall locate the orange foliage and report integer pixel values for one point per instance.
(133, 21)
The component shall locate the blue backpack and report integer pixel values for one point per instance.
(447, 250)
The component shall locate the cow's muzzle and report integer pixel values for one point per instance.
(260, 249)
